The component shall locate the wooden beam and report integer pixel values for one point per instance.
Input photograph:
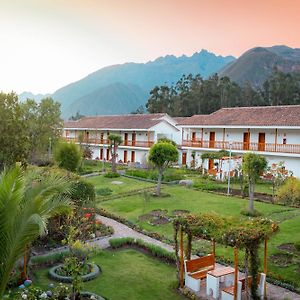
(214, 251)
(236, 271)
(276, 135)
(265, 266)
(181, 258)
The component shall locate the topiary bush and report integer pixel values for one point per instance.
(289, 192)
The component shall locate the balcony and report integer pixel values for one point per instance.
(236, 146)
(98, 141)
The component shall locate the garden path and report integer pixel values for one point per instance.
(121, 230)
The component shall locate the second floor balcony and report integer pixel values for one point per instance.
(99, 141)
(243, 146)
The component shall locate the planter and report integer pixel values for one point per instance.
(67, 279)
(89, 295)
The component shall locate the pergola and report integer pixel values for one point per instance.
(240, 234)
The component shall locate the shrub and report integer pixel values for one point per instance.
(104, 192)
(120, 242)
(289, 192)
(168, 176)
(112, 175)
(297, 246)
(207, 185)
(68, 156)
(82, 192)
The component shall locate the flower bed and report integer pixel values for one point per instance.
(94, 273)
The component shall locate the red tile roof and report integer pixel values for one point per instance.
(288, 115)
(137, 121)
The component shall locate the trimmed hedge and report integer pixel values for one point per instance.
(168, 176)
(153, 250)
(112, 175)
(67, 279)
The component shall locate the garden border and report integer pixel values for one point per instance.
(68, 279)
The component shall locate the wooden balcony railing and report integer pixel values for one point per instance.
(98, 141)
(265, 147)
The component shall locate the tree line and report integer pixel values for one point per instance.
(194, 95)
(28, 130)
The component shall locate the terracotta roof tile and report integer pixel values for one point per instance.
(288, 115)
(137, 121)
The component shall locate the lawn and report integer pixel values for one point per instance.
(182, 198)
(127, 274)
(127, 185)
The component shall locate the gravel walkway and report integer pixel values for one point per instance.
(121, 230)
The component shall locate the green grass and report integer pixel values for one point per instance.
(202, 202)
(127, 186)
(127, 274)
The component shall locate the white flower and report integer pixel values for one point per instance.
(24, 296)
(43, 295)
(93, 235)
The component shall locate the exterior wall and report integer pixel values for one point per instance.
(164, 129)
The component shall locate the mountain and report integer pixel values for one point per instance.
(118, 88)
(257, 64)
(112, 99)
(28, 95)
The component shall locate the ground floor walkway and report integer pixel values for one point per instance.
(121, 230)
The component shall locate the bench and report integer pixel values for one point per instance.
(196, 270)
(228, 293)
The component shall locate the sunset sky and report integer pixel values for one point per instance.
(46, 44)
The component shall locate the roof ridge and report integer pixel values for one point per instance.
(255, 107)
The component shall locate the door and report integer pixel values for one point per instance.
(246, 141)
(125, 139)
(107, 154)
(101, 154)
(133, 139)
(125, 157)
(210, 164)
(183, 158)
(132, 156)
(193, 136)
(261, 141)
(212, 136)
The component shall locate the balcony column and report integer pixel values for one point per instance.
(276, 134)
(223, 142)
(201, 137)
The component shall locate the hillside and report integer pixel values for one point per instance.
(256, 64)
(112, 99)
(100, 93)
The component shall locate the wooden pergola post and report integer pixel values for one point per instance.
(266, 266)
(236, 271)
(181, 258)
(214, 251)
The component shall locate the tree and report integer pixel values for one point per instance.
(68, 156)
(13, 138)
(161, 155)
(43, 126)
(253, 166)
(114, 142)
(26, 204)
(78, 116)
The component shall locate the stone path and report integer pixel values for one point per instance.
(121, 230)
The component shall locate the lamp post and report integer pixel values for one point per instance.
(229, 169)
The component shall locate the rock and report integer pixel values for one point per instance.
(186, 182)
(117, 182)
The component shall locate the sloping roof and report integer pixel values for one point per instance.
(288, 115)
(194, 120)
(137, 121)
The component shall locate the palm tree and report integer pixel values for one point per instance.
(114, 142)
(26, 203)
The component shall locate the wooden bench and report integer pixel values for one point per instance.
(196, 269)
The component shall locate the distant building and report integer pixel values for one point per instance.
(139, 133)
(273, 131)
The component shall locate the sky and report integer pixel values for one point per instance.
(47, 44)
